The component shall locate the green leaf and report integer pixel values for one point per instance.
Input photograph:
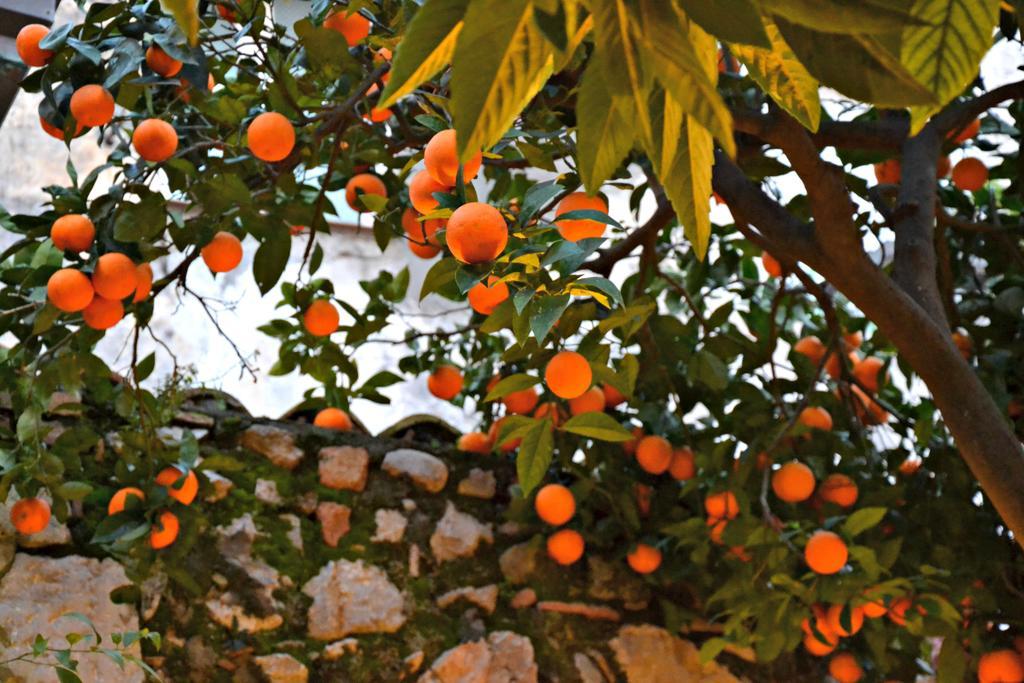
(74, 490)
(534, 457)
(545, 312)
(709, 369)
(862, 520)
(620, 64)
(599, 426)
(440, 275)
(952, 662)
(687, 183)
(426, 48)
(734, 21)
(510, 385)
(270, 261)
(501, 61)
(604, 131)
(536, 198)
(137, 222)
(783, 77)
(711, 649)
(843, 16)
(603, 285)
(186, 13)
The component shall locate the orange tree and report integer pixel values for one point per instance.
(799, 451)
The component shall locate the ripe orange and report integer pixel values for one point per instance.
(845, 624)
(888, 172)
(910, 466)
(816, 417)
(873, 609)
(825, 552)
(27, 45)
(484, 298)
(442, 162)
(424, 232)
(226, 13)
(793, 482)
(721, 505)
(644, 494)
(73, 232)
(866, 372)
(69, 290)
(422, 187)
(365, 183)
(354, 27)
(423, 250)
(155, 140)
(161, 62)
(811, 347)
(898, 610)
(377, 115)
(445, 382)
(565, 547)
(521, 402)
(56, 132)
(644, 558)
(963, 343)
(321, 318)
(576, 229)
(223, 253)
(716, 529)
(164, 531)
(474, 442)
(612, 396)
(816, 647)
(970, 174)
(92, 105)
(506, 446)
(682, 467)
(476, 233)
(102, 314)
(549, 410)
(654, 454)
(838, 489)
(333, 418)
(144, 276)
(590, 401)
(271, 136)
(1000, 666)
(120, 499)
(181, 487)
(30, 515)
(555, 504)
(114, 276)
(629, 447)
(968, 132)
(844, 668)
(853, 340)
(568, 374)
(771, 264)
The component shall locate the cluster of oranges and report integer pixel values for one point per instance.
(865, 371)
(181, 486)
(969, 175)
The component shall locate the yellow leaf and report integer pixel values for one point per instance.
(186, 13)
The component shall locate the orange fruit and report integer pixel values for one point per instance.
(811, 347)
(423, 250)
(155, 140)
(321, 318)
(115, 276)
(873, 609)
(629, 447)
(226, 13)
(364, 183)
(816, 647)
(644, 494)
(816, 417)
(377, 115)
(27, 45)
(888, 172)
(644, 558)
(963, 343)
(716, 529)
(442, 162)
(825, 552)
(144, 277)
(30, 515)
(612, 396)
(92, 105)
(942, 167)
(333, 418)
(424, 232)
(484, 298)
(56, 132)
(555, 504)
(161, 62)
(970, 174)
(270, 136)
(181, 487)
(898, 610)
(838, 489)
(73, 232)
(102, 314)
(866, 372)
(69, 290)
(506, 446)
(223, 253)
(565, 547)
(910, 466)
(576, 229)
(968, 132)
(120, 499)
(476, 233)
(521, 402)
(354, 27)
(845, 624)
(164, 530)
(422, 187)
(793, 482)
(549, 410)
(1000, 666)
(682, 467)
(474, 442)
(445, 382)
(590, 401)
(868, 410)
(853, 340)
(568, 374)
(771, 264)
(654, 454)
(844, 668)
(721, 505)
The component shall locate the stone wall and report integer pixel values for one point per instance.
(325, 556)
